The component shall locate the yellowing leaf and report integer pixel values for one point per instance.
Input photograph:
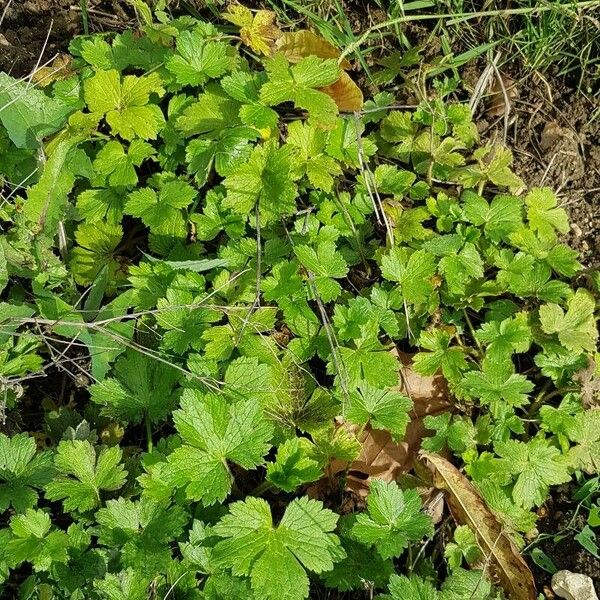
(345, 93)
(59, 69)
(468, 508)
(299, 44)
(258, 31)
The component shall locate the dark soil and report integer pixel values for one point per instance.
(566, 553)
(27, 23)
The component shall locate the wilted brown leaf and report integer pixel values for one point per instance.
(297, 45)
(503, 92)
(468, 508)
(380, 457)
(59, 69)
(346, 94)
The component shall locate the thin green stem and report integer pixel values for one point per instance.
(149, 445)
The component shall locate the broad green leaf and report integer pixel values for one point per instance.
(142, 388)
(392, 520)
(543, 214)
(213, 433)
(383, 409)
(27, 113)
(576, 328)
(125, 103)
(22, 472)
(84, 473)
(535, 466)
(276, 558)
(293, 465)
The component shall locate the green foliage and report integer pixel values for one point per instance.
(220, 293)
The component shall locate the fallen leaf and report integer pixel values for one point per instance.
(258, 31)
(345, 93)
(502, 558)
(589, 380)
(380, 457)
(59, 69)
(503, 92)
(299, 44)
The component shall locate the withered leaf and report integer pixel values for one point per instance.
(345, 93)
(258, 31)
(502, 558)
(297, 45)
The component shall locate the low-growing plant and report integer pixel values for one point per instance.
(230, 260)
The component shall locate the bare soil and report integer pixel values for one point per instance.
(566, 552)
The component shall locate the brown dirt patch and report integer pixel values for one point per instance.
(27, 23)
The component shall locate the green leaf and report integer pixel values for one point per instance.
(362, 567)
(276, 558)
(125, 103)
(464, 547)
(117, 165)
(125, 584)
(584, 430)
(98, 243)
(36, 541)
(264, 180)
(162, 211)
(296, 83)
(143, 388)
(410, 588)
(22, 472)
(310, 160)
(367, 361)
(141, 533)
(451, 360)
(47, 200)
(414, 272)
(179, 313)
(384, 409)
(534, 466)
(499, 218)
(576, 328)
(543, 214)
(293, 465)
(245, 88)
(463, 584)
(497, 383)
(503, 338)
(213, 112)
(393, 519)
(84, 474)
(197, 60)
(227, 152)
(213, 433)
(326, 264)
(103, 204)
(28, 114)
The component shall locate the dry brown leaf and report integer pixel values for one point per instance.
(589, 380)
(346, 94)
(297, 45)
(503, 92)
(59, 69)
(502, 558)
(380, 457)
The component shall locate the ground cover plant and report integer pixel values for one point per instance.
(263, 338)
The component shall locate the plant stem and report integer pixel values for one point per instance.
(261, 488)
(544, 397)
(149, 445)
